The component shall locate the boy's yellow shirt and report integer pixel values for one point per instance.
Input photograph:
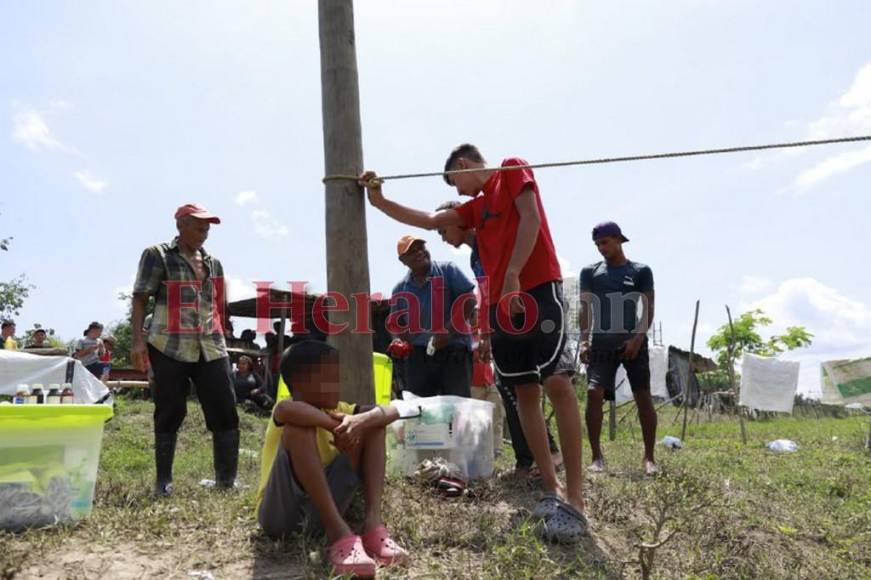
(272, 441)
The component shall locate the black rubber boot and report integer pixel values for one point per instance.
(164, 453)
(225, 448)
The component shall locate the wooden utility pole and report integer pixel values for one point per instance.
(686, 385)
(347, 255)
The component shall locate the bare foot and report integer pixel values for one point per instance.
(597, 466)
(650, 468)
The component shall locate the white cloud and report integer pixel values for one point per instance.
(245, 197)
(267, 227)
(90, 181)
(830, 167)
(849, 115)
(754, 286)
(841, 325)
(30, 129)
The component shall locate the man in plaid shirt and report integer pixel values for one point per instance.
(186, 343)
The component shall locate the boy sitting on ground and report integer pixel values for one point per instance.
(326, 447)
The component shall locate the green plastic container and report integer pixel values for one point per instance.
(49, 456)
(383, 369)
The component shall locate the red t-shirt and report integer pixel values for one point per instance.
(495, 219)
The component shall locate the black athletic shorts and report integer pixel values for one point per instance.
(603, 365)
(529, 355)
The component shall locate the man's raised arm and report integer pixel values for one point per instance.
(413, 217)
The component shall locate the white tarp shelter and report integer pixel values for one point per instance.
(18, 368)
(658, 370)
(768, 384)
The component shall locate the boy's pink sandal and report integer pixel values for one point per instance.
(347, 556)
(382, 548)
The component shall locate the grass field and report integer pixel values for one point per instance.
(723, 509)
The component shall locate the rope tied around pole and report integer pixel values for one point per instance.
(602, 160)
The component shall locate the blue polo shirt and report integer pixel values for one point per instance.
(453, 284)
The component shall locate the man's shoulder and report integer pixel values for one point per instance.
(442, 267)
(453, 274)
(156, 253)
(400, 286)
(592, 268)
(160, 248)
(638, 266)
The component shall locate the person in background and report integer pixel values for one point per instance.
(37, 339)
(611, 292)
(270, 386)
(106, 357)
(6, 334)
(248, 385)
(248, 338)
(229, 337)
(89, 349)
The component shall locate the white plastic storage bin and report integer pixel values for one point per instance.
(457, 429)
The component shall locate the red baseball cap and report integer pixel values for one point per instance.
(197, 211)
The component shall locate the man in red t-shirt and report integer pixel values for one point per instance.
(523, 293)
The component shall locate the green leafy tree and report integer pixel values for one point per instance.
(14, 292)
(749, 339)
(12, 296)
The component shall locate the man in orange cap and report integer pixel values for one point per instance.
(186, 343)
(421, 308)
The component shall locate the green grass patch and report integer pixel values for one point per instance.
(729, 510)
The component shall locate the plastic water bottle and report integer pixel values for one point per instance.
(22, 394)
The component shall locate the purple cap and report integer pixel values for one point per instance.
(608, 229)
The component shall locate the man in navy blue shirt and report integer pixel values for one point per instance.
(430, 308)
(611, 292)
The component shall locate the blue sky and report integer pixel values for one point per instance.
(114, 113)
